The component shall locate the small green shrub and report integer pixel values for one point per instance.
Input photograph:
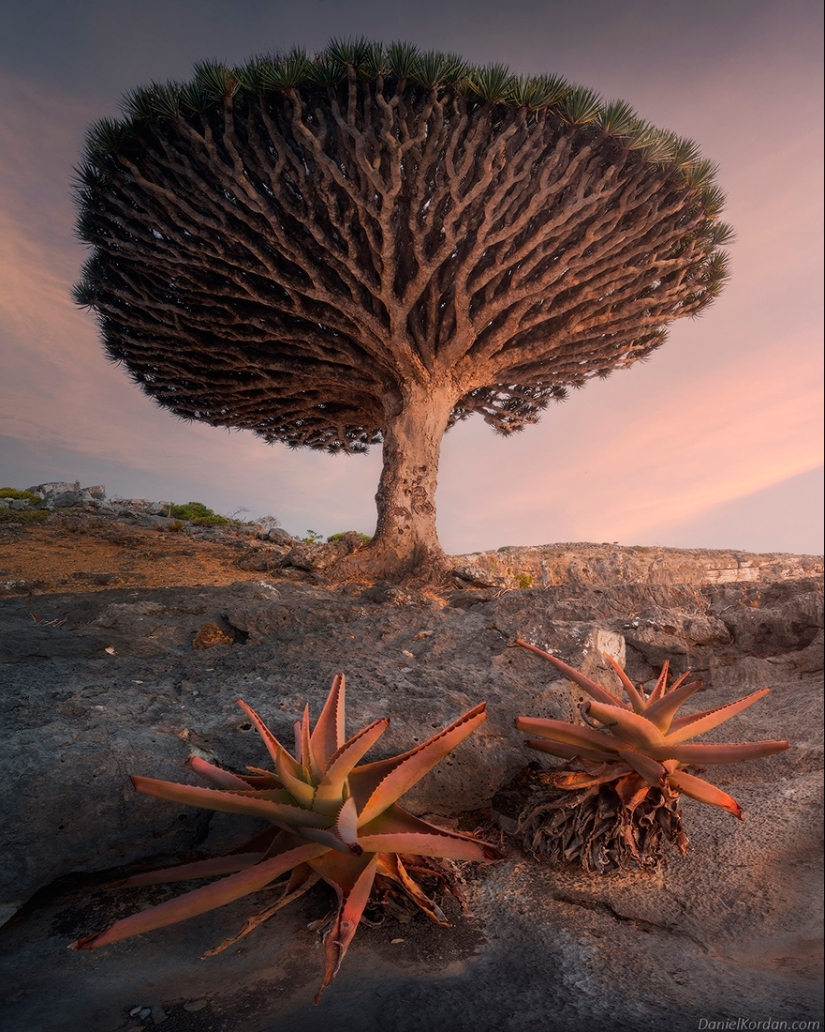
(28, 496)
(524, 580)
(23, 515)
(313, 538)
(198, 514)
(335, 538)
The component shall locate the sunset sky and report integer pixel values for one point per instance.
(715, 442)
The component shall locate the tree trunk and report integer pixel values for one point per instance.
(405, 544)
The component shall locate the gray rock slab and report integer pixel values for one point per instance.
(107, 684)
(727, 932)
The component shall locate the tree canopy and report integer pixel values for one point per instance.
(370, 243)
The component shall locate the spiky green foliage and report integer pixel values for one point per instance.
(255, 98)
(370, 61)
(332, 818)
(636, 752)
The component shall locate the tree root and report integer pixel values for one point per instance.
(372, 564)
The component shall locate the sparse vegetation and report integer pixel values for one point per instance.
(267, 522)
(15, 495)
(333, 539)
(23, 515)
(198, 514)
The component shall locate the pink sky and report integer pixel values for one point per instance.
(715, 442)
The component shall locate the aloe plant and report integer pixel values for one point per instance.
(631, 758)
(331, 819)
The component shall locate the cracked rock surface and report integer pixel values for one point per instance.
(106, 683)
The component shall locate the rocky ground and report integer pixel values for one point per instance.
(125, 640)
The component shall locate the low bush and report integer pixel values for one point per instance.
(23, 515)
(28, 496)
(198, 514)
(333, 539)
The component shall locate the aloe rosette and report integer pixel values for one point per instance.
(331, 819)
(641, 744)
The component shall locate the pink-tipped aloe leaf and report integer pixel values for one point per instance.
(303, 746)
(199, 901)
(568, 734)
(391, 866)
(275, 806)
(661, 713)
(329, 733)
(214, 775)
(216, 865)
(330, 838)
(260, 778)
(680, 680)
(630, 727)
(301, 792)
(573, 780)
(343, 835)
(637, 700)
(377, 785)
(272, 744)
(352, 882)
(653, 773)
(569, 752)
(330, 788)
(661, 684)
(347, 824)
(396, 831)
(714, 718)
(594, 690)
(704, 792)
(706, 752)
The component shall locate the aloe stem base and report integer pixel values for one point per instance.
(607, 827)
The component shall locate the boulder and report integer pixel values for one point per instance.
(277, 535)
(60, 494)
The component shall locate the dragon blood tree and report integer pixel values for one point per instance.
(367, 245)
